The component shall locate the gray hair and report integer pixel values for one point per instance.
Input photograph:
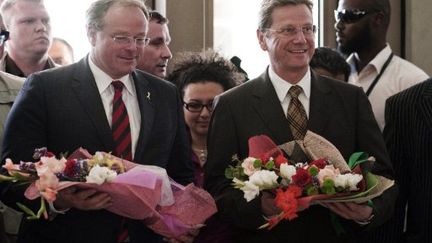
(98, 10)
(267, 7)
(6, 5)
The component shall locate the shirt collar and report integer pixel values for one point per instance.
(377, 62)
(282, 86)
(12, 68)
(103, 80)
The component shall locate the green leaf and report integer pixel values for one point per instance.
(270, 165)
(27, 210)
(357, 158)
(257, 163)
(328, 187)
(42, 208)
(229, 174)
(7, 178)
(312, 190)
(313, 170)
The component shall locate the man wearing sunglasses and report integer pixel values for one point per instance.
(361, 29)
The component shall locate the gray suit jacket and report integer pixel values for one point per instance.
(62, 110)
(338, 111)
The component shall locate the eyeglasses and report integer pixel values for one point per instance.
(127, 40)
(4, 36)
(350, 16)
(197, 107)
(291, 31)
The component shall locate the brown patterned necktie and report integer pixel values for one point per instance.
(296, 114)
(120, 125)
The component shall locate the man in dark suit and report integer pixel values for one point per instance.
(335, 110)
(408, 135)
(71, 107)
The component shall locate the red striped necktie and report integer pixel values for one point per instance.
(120, 124)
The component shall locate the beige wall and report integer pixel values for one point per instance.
(191, 27)
(191, 24)
(419, 33)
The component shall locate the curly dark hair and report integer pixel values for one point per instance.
(207, 66)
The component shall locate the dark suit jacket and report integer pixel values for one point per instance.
(408, 134)
(62, 110)
(338, 111)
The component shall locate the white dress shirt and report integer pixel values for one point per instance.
(282, 87)
(399, 75)
(106, 91)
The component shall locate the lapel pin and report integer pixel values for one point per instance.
(148, 95)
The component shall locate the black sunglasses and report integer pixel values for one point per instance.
(349, 16)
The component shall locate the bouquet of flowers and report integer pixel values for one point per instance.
(138, 191)
(318, 174)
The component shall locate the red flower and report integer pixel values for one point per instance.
(287, 201)
(301, 178)
(320, 163)
(71, 168)
(49, 154)
(280, 159)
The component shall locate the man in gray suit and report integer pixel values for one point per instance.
(335, 110)
(71, 107)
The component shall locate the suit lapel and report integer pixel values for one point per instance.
(269, 109)
(425, 104)
(146, 97)
(84, 86)
(319, 107)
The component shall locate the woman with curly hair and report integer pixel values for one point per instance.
(200, 77)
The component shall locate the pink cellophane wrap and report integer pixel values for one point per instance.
(147, 193)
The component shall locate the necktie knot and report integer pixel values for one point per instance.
(295, 91)
(118, 85)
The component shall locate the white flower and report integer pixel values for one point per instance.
(248, 166)
(250, 190)
(238, 183)
(287, 171)
(264, 179)
(99, 175)
(348, 181)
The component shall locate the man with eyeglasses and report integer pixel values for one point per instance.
(361, 30)
(157, 53)
(72, 106)
(30, 37)
(270, 105)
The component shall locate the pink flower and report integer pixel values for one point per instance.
(48, 180)
(328, 172)
(55, 165)
(49, 194)
(9, 165)
(248, 166)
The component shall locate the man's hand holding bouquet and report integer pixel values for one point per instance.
(103, 181)
(315, 173)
